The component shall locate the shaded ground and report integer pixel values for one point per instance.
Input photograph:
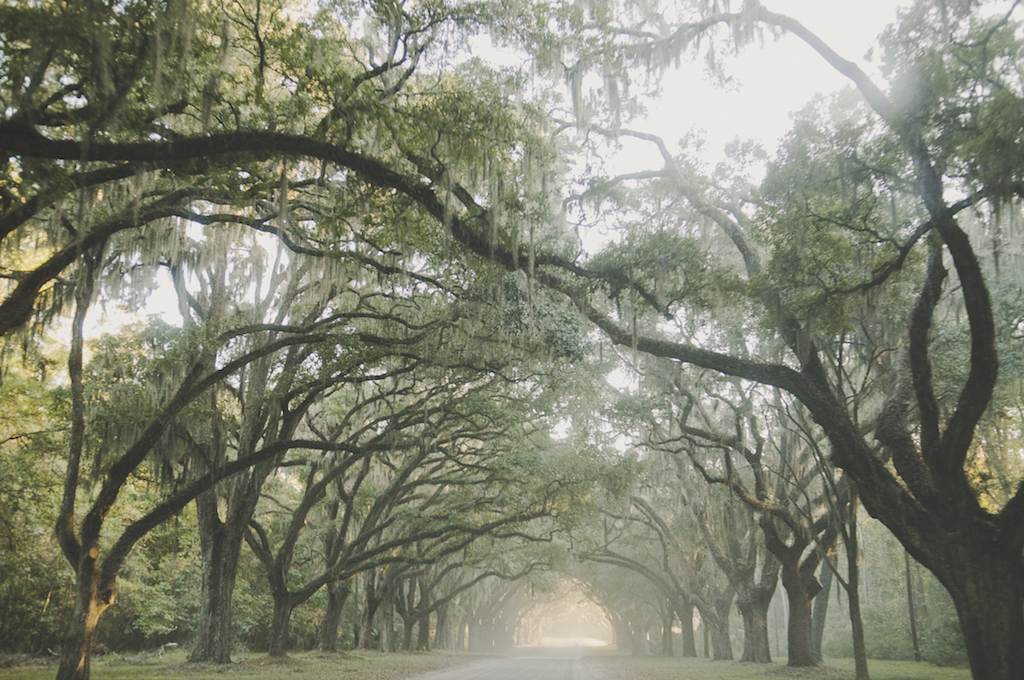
(590, 664)
(567, 663)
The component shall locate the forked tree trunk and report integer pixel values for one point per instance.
(371, 602)
(718, 624)
(800, 592)
(408, 624)
(423, 633)
(336, 596)
(442, 636)
(92, 595)
(280, 624)
(91, 600)
(221, 548)
(754, 597)
(715, 622)
(756, 647)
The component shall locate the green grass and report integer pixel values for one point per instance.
(360, 665)
(352, 665)
(905, 670)
(661, 668)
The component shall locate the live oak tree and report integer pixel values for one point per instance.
(883, 212)
(658, 413)
(775, 472)
(159, 75)
(752, 447)
(270, 403)
(439, 469)
(429, 589)
(655, 534)
(632, 602)
(494, 610)
(646, 531)
(283, 348)
(118, 118)
(739, 550)
(180, 368)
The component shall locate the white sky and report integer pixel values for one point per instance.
(770, 81)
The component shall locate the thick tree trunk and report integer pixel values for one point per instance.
(221, 549)
(213, 635)
(756, 647)
(685, 614)
(386, 622)
(408, 624)
(990, 604)
(370, 606)
(622, 635)
(820, 611)
(638, 640)
(481, 635)
(461, 635)
(423, 633)
(721, 641)
(442, 638)
(337, 594)
(280, 624)
(800, 592)
(91, 600)
(716, 620)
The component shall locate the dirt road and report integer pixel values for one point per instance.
(560, 664)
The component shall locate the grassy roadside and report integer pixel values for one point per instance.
(360, 665)
(662, 668)
(351, 665)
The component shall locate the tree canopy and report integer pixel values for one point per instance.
(371, 251)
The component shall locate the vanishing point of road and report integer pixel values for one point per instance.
(564, 663)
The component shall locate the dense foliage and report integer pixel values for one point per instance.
(297, 299)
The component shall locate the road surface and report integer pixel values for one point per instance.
(557, 664)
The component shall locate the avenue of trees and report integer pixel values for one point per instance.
(305, 338)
